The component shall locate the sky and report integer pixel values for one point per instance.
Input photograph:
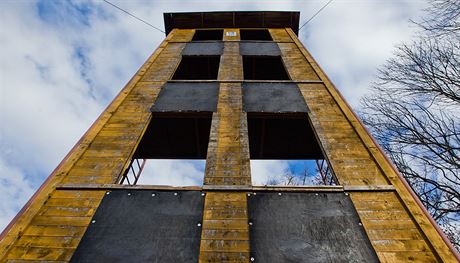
(62, 62)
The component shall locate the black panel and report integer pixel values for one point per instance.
(259, 49)
(143, 228)
(203, 48)
(201, 35)
(184, 136)
(264, 68)
(307, 227)
(197, 67)
(255, 34)
(272, 97)
(282, 136)
(183, 97)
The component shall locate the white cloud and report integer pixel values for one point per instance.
(13, 186)
(350, 39)
(262, 171)
(173, 173)
(57, 74)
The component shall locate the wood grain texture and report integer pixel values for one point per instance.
(280, 35)
(228, 150)
(53, 224)
(438, 249)
(225, 234)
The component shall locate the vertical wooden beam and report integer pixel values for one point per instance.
(225, 234)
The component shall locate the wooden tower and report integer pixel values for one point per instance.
(226, 87)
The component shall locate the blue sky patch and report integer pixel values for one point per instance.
(65, 13)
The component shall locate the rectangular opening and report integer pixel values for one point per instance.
(291, 172)
(172, 151)
(211, 34)
(264, 68)
(285, 151)
(255, 34)
(197, 67)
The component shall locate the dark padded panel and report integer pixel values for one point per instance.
(307, 227)
(144, 228)
(207, 48)
(259, 49)
(187, 97)
(273, 97)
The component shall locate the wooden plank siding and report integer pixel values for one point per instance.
(53, 225)
(356, 160)
(225, 234)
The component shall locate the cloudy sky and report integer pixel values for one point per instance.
(62, 62)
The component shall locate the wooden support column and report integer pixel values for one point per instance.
(395, 224)
(55, 220)
(225, 234)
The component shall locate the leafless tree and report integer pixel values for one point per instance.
(414, 113)
(307, 176)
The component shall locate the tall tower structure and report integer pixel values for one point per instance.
(227, 87)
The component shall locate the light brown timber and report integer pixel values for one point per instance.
(325, 100)
(54, 216)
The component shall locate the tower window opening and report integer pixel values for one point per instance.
(285, 151)
(171, 152)
(210, 34)
(255, 34)
(264, 68)
(197, 67)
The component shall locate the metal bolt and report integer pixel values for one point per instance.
(93, 221)
(203, 194)
(249, 194)
(153, 194)
(250, 223)
(199, 224)
(129, 193)
(254, 193)
(346, 193)
(252, 259)
(175, 193)
(279, 193)
(107, 193)
(360, 223)
(316, 194)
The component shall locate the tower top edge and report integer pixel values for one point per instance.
(232, 19)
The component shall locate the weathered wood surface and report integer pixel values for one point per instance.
(52, 226)
(280, 35)
(228, 150)
(225, 234)
(392, 231)
(356, 160)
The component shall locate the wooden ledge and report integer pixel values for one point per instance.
(238, 188)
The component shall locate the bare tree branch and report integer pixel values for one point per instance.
(414, 112)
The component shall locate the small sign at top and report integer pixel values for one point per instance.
(230, 34)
